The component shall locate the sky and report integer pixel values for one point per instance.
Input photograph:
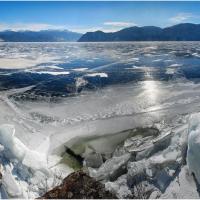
(91, 16)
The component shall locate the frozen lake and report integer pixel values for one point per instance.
(69, 89)
(62, 91)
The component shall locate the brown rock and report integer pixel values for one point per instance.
(79, 185)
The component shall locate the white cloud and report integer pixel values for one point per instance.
(181, 17)
(113, 29)
(92, 29)
(30, 26)
(119, 24)
(84, 29)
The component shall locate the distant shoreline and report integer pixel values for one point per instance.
(77, 42)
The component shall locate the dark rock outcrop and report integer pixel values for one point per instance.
(79, 185)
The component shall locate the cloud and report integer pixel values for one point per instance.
(30, 26)
(84, 29)
(181, 17)
(92, 29)
(119, 24)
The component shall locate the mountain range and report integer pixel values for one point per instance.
(179, 32)
(39, 36)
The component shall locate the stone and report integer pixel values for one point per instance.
(79, 185)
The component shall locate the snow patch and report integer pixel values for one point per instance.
(196, 55)
(80, 69)
(80, 82)
(175, 65)
(18, 62)
(52, 67)
(102, 75)
(170, 71)
(51, 73)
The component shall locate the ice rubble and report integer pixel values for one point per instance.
(182, 187)
(25, 170)
(160, 164)
(14, 148)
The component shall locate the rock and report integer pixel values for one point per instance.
(79, 185)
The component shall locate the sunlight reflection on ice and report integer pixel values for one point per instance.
(151, 90)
